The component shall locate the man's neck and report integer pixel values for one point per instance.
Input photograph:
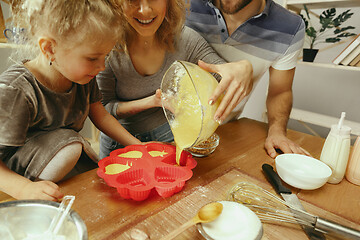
(233, 21)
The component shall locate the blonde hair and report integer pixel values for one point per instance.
(168, 32)
(71, 21)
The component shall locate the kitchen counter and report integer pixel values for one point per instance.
(238, 157)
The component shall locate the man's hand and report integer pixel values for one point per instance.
(236, 83)
(44, 190)
(279, 141)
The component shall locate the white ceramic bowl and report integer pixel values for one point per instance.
(302, 171)
(236, 222)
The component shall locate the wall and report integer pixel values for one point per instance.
(4, 53)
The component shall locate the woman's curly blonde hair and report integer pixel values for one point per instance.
(168, 32)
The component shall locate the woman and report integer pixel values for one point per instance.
(155, 37)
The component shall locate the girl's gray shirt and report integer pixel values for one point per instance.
(29, 109)
(120, 82)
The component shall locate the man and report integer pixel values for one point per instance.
(267, 35)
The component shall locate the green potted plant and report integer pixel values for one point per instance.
(328, 20)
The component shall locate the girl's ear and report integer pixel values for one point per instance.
(47, 47)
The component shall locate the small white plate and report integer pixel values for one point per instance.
(236, 222)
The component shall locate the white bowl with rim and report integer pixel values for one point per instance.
(236, 222)
(302, 171)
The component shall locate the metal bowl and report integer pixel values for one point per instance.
(26, 219)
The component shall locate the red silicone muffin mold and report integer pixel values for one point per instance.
(145, 172)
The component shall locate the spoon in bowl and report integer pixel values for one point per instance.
(207, 213)
(57, 221)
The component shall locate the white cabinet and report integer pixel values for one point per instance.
(303, 116)
(330, 65)
(298, 4)
(4, 9)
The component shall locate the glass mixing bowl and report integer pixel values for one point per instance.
(186, 89)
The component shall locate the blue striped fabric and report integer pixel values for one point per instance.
(273, 38)
(271, 35)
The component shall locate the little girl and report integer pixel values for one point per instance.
(155, 37)
(45, 101)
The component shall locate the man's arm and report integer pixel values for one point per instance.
(279, 104)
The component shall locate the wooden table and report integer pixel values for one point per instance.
(238, 157)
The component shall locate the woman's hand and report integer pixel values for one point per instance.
(236, 83)
(130, 108)
(157, 98)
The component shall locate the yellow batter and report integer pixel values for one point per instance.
(194, 117)
(157, 153)
(131, 154)
(116, 168)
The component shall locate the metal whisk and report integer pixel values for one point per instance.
(266, 205)
(270, 208)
